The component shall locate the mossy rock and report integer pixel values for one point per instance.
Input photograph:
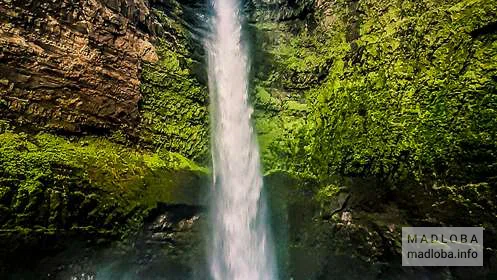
(54, 187)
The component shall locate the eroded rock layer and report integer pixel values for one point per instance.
(73, 65)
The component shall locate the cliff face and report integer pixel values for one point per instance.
(386, 108)
(391, 105)
(73, 65)
(87, 67)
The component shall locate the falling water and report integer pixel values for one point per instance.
(241, 247)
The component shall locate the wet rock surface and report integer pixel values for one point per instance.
(169, 247)
(172, 223)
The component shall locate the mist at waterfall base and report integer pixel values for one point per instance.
(240, 243)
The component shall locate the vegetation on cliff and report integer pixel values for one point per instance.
(399, 110)
(381, 113)
(52, 187)
(174, 105)
(101, 180)
(408, 84)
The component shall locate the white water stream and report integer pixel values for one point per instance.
(241, 247)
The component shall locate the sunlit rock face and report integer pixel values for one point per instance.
(74, 65)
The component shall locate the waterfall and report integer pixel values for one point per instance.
(240, 246)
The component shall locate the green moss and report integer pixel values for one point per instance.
(296, 106)
(327, 193)
(174, 105)
(402, 93)
(265, 101)
(298, 61)
(398, 90)
(51, 182)
(277, 121)
(292, 60)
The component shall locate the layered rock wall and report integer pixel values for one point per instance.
(73, 65)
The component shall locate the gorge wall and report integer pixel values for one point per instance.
(371, 115)
(99, 111)
(103, 67)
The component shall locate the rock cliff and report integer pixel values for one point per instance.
(74, 65)
(371, 115)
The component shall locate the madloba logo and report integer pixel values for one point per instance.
(442, 246)
(433, 238)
